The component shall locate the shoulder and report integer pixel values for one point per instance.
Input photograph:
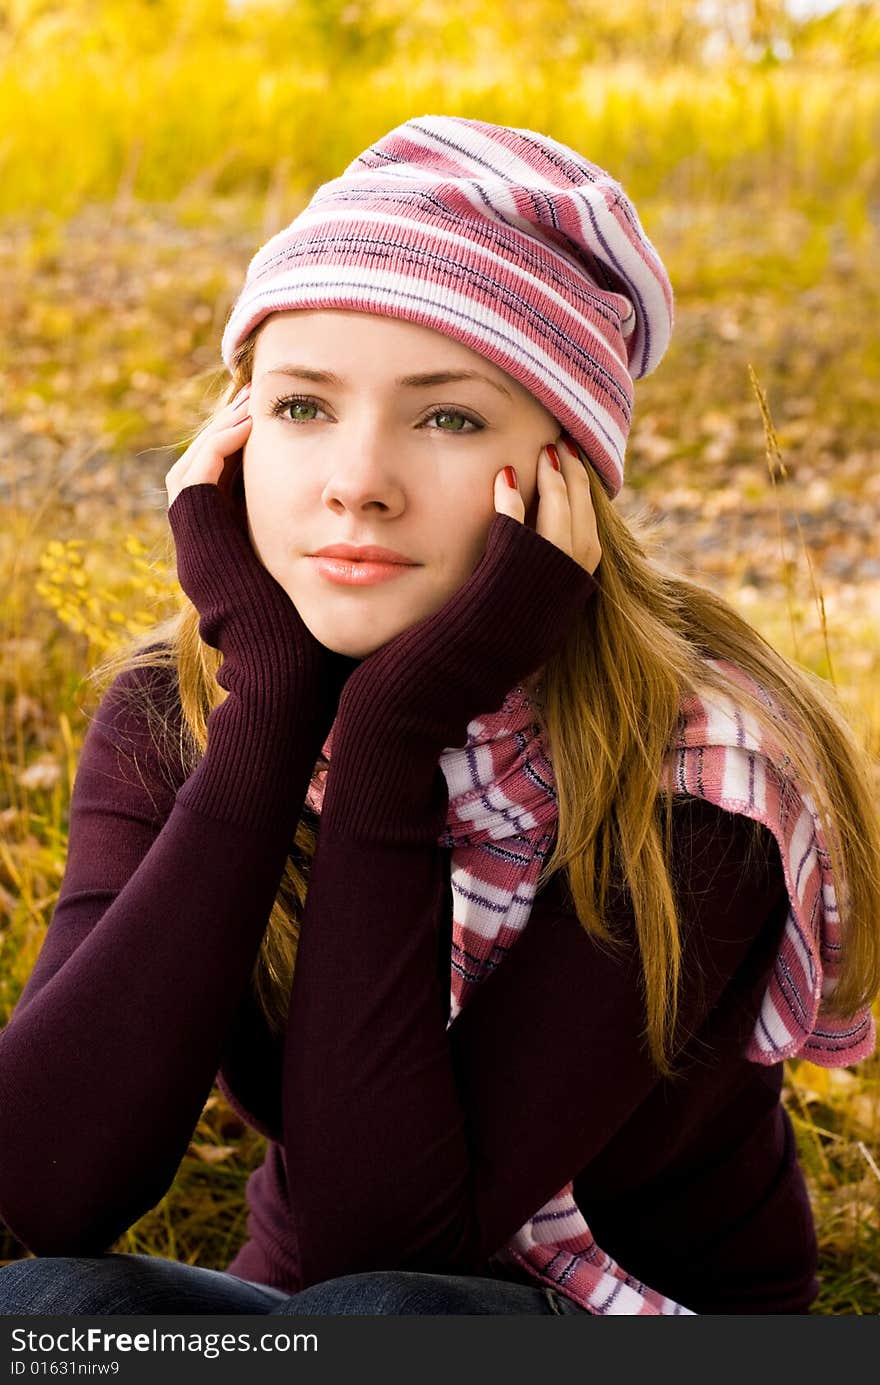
(728, 879)
(136, 694)
(716, 856)
(138, 726)
(726, 873)
(704, 833)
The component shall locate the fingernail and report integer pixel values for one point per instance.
(510, 477)
(554, 456)
(241, 394)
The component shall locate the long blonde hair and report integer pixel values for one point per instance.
(609, 710)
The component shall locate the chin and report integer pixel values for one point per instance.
(351, 649)
(354, 645)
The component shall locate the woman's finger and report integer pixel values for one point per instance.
(508, 497)
(239, 405)
(553, 520)
(586, 548)
(231, 414)
(204, 459)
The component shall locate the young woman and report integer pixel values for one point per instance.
(586, 858)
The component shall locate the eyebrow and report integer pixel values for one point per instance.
(434, 377)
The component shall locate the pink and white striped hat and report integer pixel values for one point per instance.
(502, 238)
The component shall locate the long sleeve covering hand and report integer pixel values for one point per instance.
(408, 1145)
(112, 1049)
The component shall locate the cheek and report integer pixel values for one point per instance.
(272, 486)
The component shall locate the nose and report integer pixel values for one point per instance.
(363, 473)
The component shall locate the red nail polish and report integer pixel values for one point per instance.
(571, 445)
(510, 477)
(554, 456)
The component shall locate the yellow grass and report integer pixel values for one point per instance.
(139, 173)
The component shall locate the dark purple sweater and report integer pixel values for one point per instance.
(393, 1143)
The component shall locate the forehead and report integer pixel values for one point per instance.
(378, 351)
(347, 340)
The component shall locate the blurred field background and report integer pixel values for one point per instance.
(147, 148)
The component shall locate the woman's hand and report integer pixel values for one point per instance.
(205, 458)
(565, 512)
(508, 617)
(415, 696)
(269, 653)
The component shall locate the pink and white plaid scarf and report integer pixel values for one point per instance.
(502, 787)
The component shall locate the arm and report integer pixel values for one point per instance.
(408, 1146)
(115, 1043)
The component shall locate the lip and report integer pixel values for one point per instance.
(363, 553)
(360, 574)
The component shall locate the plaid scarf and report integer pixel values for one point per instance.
(502, 788)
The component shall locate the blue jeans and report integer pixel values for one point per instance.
(134, 1284)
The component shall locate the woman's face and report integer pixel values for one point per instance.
(369, 458)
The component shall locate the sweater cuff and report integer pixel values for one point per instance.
(385, 783)
(257, 763)
(243, 610)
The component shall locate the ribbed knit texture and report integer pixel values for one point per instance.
(283, 687)
(409, 700)
(502, 238)
(501, 823)
(460, 1130)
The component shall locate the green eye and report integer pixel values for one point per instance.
(288, 404)
(454, 413)
(293, 402)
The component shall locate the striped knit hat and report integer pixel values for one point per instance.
(506, 240)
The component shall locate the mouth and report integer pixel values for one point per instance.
(351, 572)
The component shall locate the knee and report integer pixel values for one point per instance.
(384, 1292)
(51, 1284)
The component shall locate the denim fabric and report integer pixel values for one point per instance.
(135, 1284)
